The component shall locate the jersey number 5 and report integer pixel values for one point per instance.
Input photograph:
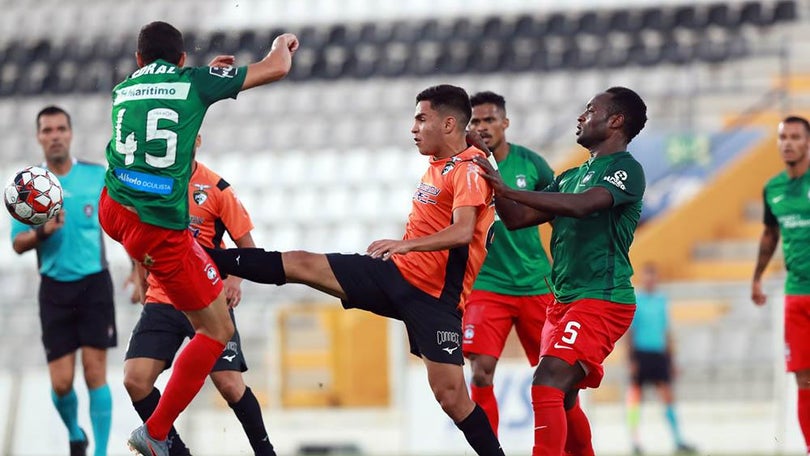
(129, 146)
(571, 332)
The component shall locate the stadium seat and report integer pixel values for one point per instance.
(721, 15)
(784, 11)
(527, 26)
(687, 16)
(751, 13)
(622, 20)
(591, 23)
(557, 24)
(496, 28)
(653, 19)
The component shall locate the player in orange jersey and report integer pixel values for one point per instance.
(431, 269)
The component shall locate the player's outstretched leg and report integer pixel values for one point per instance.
(256, 265)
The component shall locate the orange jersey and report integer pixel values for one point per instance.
(213, 209)
(448, 184)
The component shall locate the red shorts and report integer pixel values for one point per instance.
(178, 263)
(797, 328)
(488, 318)
(585, 331)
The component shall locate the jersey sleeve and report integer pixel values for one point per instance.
(624, 180)
(768, 218)
(469, 187)
(545, 175)
(232, 213)
(217, 83)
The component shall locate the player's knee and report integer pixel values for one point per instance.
(557, 373)
(482, 378)
(138, 387)
(300, 264)
(230, 389)
(452, 400)
(61, 387)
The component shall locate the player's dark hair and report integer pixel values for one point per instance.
(160, 40)
(798, 120)
(448, 97)
(629, 104)
(488, 97)
(51, 111)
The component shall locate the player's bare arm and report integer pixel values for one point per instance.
(577, 205)
(459, 233)
(767, 246)
(30, 239)
(275, 65)
(513, 214)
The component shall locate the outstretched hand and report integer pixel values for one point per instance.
(475, 140)
(288, 40)
(491, 174)
(385, 248)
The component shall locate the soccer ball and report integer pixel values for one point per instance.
(33, 196)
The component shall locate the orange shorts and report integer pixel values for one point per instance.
(488, 318)
(178, 263)
(585, 331)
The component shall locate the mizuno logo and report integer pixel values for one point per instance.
(228, 358)
(450, 350)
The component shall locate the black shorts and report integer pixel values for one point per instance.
(651, 368)
(77, 314)
(433, 325)
(161, 330)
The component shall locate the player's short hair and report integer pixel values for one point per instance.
(798, 120)
(160, 40)
(488, 97)
(629, 104)
(52, 111)
(446, 97)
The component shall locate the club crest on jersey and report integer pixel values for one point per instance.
(520, 181)
(448, 167)
(200, 196)
(222, 71)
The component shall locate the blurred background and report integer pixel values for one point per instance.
(324, 161)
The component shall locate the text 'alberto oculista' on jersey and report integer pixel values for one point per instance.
(145, 182)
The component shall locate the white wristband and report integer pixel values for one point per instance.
(492, 161)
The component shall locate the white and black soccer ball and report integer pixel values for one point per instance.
(33, 196)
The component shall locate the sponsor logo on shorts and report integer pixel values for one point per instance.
(229, 358)
(448, 337)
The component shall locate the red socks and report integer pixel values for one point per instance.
(484, 396)
(578, 442)
(550, 428)
(803, 406)
(192, 366)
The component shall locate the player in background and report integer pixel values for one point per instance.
(651, 358)
(156, 115)
(510, 289)
(594, 210)
(422, 279)
(76, 308)
(787, 214)
(214, 209)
